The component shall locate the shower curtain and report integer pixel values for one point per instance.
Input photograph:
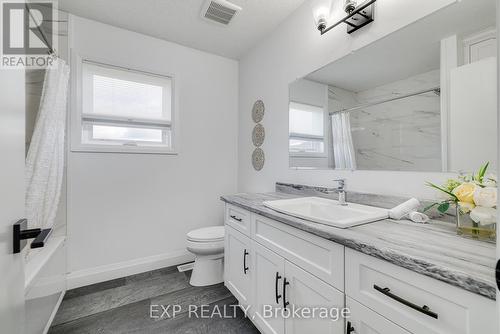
(343, 148)
(45, 159)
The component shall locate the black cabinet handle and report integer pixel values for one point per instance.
(278, 296)
(422, 309)
(285, 302)
(350, 329)
(236, 218)
(497, 274)
(245, 268)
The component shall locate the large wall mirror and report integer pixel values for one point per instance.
(420, 99)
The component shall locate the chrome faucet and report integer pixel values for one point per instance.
(341, 191)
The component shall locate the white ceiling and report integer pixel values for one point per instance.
(179, 21)
(409, 51)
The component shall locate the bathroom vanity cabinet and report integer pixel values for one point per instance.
(270, 266)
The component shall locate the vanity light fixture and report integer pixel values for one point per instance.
(357, 16)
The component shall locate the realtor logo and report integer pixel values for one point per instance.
(28, 33)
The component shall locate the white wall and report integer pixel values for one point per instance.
(131, 212)
(292, 51)
(309, 92)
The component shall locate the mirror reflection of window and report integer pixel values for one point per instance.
(307, 135)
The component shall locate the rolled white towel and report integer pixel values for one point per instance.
(418, 217)
(404, 209)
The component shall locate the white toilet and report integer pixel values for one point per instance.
(207, 244)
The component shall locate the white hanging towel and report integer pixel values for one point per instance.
(45, 159)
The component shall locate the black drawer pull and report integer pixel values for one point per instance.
(277, 295)
(236, 218)
(422, 309)
(350, 329)
(285, 302)
(245, 268)
(497, 274)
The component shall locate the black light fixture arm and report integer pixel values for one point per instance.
(365, 17)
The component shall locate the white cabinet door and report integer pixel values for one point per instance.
(311, 294)
(237, 270)
(362, 320)
(268, 275)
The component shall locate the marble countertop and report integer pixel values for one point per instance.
(431, 249)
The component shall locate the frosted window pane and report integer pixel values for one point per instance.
(306, 119)
(127, 98)
(125, 108)
(306, 146)
(104, 132)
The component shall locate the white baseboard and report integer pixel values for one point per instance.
(99, 274)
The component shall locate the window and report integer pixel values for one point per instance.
(307, 132)
(123, 110)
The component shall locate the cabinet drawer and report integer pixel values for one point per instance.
(362, 320)
(320, 257)
(420, 304)
(238, 219)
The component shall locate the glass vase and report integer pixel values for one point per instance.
(468, 228)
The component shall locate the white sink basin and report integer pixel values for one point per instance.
(328, 212)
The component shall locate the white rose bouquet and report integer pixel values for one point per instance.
(474, 194)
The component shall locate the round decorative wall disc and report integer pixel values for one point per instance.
(258, 135)
(258, 159)
(258, 111)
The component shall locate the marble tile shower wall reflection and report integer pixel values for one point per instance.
(400, 135)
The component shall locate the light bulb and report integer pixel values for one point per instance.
(321, 15)
(321, 10)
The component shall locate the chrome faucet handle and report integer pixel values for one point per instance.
(341, 190)
(341, 183)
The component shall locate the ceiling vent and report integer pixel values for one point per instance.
(219, 11)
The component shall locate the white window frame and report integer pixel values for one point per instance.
(77, 115)
(323, 138)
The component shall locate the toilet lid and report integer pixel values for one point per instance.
(214, 233)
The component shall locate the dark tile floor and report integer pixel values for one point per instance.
(124, 305)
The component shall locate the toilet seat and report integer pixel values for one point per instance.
(207, 234)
